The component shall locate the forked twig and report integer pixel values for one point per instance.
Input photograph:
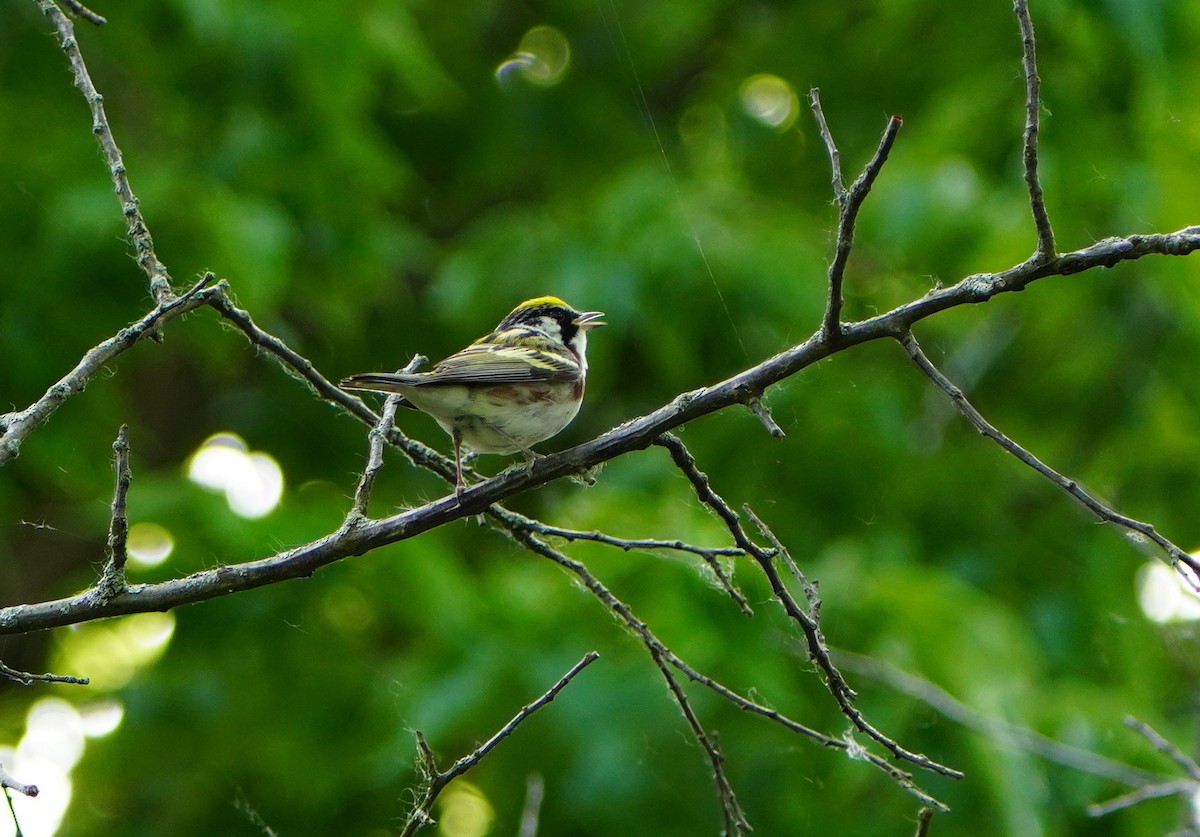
(849, 202)
(435, 780)
(377, 438)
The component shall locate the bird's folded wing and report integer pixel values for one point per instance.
(489, 364)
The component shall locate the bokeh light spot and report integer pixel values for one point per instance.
(1164, 594)
(770, 100)
(101, 717)
(542, 58)
(251, 480)
(112, 652)
(148, 544)
(465, 812)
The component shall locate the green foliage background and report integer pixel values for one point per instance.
(371, 191)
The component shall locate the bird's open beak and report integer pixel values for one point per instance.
(590, 319)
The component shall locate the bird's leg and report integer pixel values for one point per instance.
(460, 484)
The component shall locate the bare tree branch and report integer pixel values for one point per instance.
(436, 780)
(818, 650)
(632, 435)
(1102, 510)
(1181, 787)
(924, 818)
(359, 534)
(1187, 788)
(1033, 108)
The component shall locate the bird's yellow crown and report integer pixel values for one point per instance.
(541, 300)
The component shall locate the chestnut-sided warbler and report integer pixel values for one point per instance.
(508, 390)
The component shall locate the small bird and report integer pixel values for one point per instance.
(507, 391)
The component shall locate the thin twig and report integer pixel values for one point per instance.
(8, 782)
(17, 832)
(377, 438)
(924, 818)
(849, 204)
(810, 587)
(1183, 787)
(734, 817)
(1101, 509)
(112, 580)
(709, 555)
(1166, 747)
(835, 159)
(436, 780)
(763, 413)
(79, 10)
(300, 368)
(1033, 106)
(1003, 732)
(25, 678)
(139, 233)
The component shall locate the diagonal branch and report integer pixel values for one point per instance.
(1033, 107)
(1004, 733)
(1102, 510)
(139, 233)
(15, 427)
(1182, 759)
